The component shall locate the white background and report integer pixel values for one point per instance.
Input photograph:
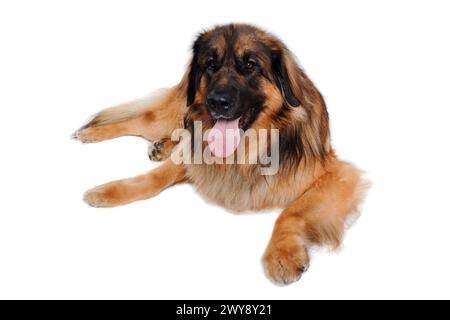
(383, 67)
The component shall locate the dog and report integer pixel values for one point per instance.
(244, 79)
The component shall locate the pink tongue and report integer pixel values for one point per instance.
(224, 137)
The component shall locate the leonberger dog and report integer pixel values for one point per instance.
(242, 78)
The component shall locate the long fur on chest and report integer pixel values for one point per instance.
(242, 188)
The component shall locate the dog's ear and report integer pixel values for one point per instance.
(195, 72)
(287, 76)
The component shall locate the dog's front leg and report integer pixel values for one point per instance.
(152, 118)
(316, 218)
(142, 187)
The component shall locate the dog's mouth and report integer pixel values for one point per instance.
(225, 135)
(244, 119)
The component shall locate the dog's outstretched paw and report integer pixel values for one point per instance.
(78, 135)
(104, 196)
(285, 261)
(88, 134)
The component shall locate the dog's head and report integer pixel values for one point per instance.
(233, 70)
(239, 72)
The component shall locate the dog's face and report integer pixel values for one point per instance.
(241, 77)
(234, 71)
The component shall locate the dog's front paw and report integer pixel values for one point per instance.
(87, 135)
(159, 150)
(103, 196)
(285, 260)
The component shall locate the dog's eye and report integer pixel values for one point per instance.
(210, 64)
(250, 64)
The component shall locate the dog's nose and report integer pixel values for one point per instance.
(218, 102)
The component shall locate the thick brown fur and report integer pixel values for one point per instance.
(317, 191)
